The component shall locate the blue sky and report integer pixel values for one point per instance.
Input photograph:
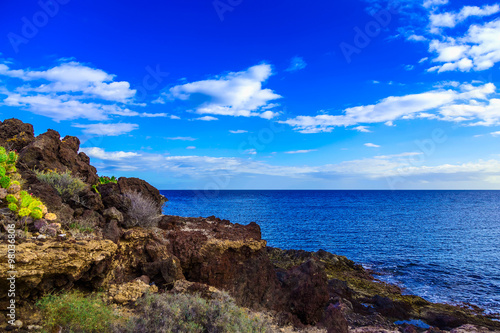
(238, 94)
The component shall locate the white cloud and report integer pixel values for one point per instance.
(107, 129)
(363, 129)
(371, 145)
(296, 64)
(250, 152)
(233, 94)
(417, 38)
(190, 147)
(182, 138)
(385, 157)
(73, 77)
(69, 91)
(466, 103)
(450, 20)
(101, 154)
(434, 3)
(238, 131)
(497, 133)
(206, 118)
(300, 151)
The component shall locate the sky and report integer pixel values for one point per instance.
(239, 94)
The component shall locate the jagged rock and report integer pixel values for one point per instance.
(48, 152)
(228, 257)
(15, 135)
(470, 329)
(3, 193)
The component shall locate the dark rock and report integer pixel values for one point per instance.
(48, 152)
(389, 308)
(112, 231)
(334, 321)
(15, 135)
(306, 286)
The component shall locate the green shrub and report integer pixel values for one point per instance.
(106, 180)
(76, 313)
(192, 314)
(68, 186)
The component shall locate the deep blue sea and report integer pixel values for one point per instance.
(441, 245)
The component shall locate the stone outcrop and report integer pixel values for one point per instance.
(15, 135)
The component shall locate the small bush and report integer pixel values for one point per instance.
(68, 186)
(192, 314)
(76, 313)
(143, 211)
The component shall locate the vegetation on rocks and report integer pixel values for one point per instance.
(193, 314)
(68, 186)
(73, 312)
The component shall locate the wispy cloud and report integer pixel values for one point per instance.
(206, 118)
(296, 64)
(102, 129)
(238, 131)
(99, 153)
(182, 138)
(300, 151)
(371, 145)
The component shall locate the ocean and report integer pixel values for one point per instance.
(441, 245)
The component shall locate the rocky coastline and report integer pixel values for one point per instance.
(299, 290)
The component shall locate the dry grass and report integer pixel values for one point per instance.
(143, 211)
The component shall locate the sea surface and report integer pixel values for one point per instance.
(441, 245)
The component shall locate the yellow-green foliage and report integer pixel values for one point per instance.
(74, 312)
(22, 203)
(13, 207)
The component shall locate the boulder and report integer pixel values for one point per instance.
(48, 152)
(15, 135)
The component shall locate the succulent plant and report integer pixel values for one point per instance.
(3, 157)
(13, 207)
(36, 213)
(5, 181)
(11, 198)
(24, 212)
(2, 171)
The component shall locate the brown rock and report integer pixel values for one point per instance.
(15, 135)
(113, 214)
(306, 286)
(112, 231)
(334, 321)
(48, 152)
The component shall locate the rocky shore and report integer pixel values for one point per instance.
(299, 290)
